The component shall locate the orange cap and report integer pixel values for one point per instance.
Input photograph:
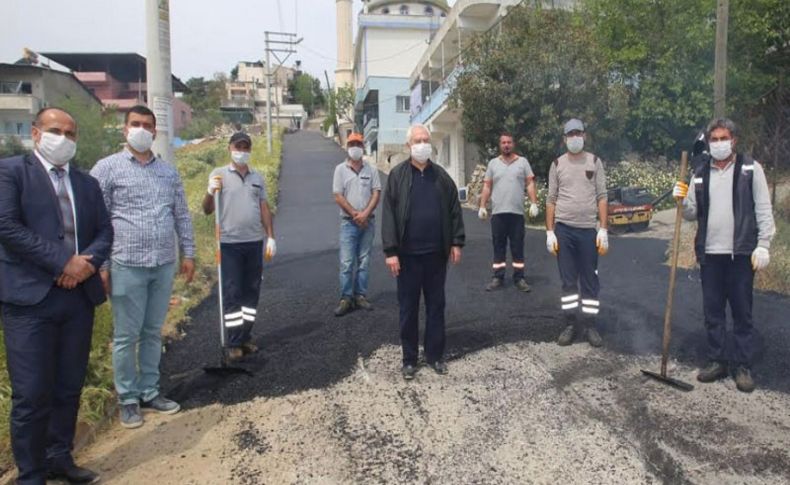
(355, 137)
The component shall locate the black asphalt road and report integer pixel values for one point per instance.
(304, 346)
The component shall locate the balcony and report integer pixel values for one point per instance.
(20, 102)
(437, 98)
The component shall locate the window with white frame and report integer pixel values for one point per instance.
(402, 104)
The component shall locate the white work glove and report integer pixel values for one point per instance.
(534, 210)
(482, 213)
(602, 241)
(271, 249)
(214, 184)
(681, 190)
(760, 258)
(552, 246)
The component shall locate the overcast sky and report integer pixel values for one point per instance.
(207, 36)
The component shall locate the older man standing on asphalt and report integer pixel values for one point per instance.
(422, 226)
(243, 216)
(731, 203)
(506, 178)
(576, 198)
(357, 190)
(146, 201)
(54, 235)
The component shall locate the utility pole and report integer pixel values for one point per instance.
(288, 42)
(159, 84)
(720, 67)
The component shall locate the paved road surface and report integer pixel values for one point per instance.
(327, 405)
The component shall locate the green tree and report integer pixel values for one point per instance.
(340, 106)
(205, 97)
(306, 90)
(541, 68)
(99, 130)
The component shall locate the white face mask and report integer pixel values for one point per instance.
(575, 144)
(721, 150)
(355, 153)
(421, 152)
(241, 158)
(140, 139)
(56, 149)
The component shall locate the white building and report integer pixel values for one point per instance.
(391, 36)
(247, 99)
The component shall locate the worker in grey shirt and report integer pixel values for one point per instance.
(506, 178)
(357, 188)
(244, 215)
(575, 205)
(730, 201)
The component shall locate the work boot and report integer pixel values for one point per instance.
(162, 405)
(131, 417)
(408, 371)
(249, 348)
(344, 307)
(743, 379)
(495, 284)
(362, 303)
(566, 337)
(522, 285)
(235, 353)
(712, 372)
(593, 337)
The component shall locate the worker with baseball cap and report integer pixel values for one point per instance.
(244, 214)
(576, 198)
(357, 189)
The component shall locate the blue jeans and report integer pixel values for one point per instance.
(355, 245)
(140, 300)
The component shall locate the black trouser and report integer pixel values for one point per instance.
(242, 266)
(728, 279)
(47, 348)
(426, 274)
(504, 228)
(578, 263)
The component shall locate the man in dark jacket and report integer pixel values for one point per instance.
(730, 200)
(422, 226)
(55, 233)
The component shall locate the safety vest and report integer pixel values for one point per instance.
(745, 237)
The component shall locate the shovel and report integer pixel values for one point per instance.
(662, 376)
(223, 369)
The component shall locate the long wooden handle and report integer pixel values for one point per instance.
(673, 269)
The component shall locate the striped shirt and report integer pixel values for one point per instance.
(148, 209)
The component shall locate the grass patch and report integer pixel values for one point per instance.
(194, 163)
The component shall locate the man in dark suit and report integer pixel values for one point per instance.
(54, 235)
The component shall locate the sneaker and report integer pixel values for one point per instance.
(362, 303)
(743, 379)
(162, 405)
(440, 367)
(249, 348)
(344, 307)
(235, 353)
(593, 337)
(712, 372)
(408, 372)
(566, 337)
(131, 417)
(522, 285)
(495, 284)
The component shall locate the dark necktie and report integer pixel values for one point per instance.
(64, 201)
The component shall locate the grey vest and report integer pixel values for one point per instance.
(745, 237)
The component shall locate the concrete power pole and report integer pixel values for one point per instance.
(159, 82)
(720, 67)
(289, 42)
